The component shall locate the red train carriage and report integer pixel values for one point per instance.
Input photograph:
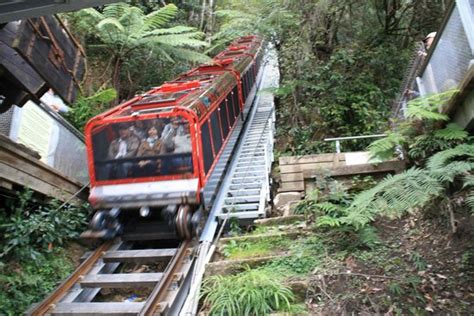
(155, 153)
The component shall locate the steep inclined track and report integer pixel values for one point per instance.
(243, 193)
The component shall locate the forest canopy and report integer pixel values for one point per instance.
(341, 61)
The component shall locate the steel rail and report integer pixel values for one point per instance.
(49, 302)
(153, 303)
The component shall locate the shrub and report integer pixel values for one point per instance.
(252, 292)
(29, 228)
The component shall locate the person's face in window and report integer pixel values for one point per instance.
(124, 133)
(175, 124)
(139, 125)
(152, 132)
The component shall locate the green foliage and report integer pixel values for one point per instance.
(342, 95)
(329, 205)
(87, 107)
(413, 188)
(428, 107)
(451, 132)
(420, 135)
(267, 17)
(384, 148)
(29, 228)
(418, 261)
(252, 292)
(301, 263)
(254, 248)
(24, 282)
(126, 36)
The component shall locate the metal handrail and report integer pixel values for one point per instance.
(338, 139)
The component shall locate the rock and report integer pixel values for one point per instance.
(283, 201)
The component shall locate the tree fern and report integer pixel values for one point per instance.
(123, 29)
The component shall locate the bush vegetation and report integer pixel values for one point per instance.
(252, 292)
(33, 259)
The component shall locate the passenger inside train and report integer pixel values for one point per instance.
(138, 149)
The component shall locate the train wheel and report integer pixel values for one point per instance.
(98, 221)
(197, 223)
(183, 222)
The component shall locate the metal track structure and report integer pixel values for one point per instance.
(245, 189)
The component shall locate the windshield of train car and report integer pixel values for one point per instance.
(142, 148)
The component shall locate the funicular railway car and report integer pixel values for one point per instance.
(152, 155)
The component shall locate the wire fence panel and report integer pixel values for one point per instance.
(450, 59)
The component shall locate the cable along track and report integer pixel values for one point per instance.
(78, 294)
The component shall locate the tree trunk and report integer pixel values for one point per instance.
(203, 15)
(210, 18)
(116, 77)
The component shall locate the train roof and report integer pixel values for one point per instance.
(197, 88)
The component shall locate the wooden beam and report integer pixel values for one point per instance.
(303, 167)
(310, 159)
(19, 167)
(388, 166)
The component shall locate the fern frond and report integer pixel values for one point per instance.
(179, 40)
(115, 10)
(442, 158)
(328, 207)
(158, 19)
(189, 55)
(425, 113)
(109, 24)
(132, 20)
(174, 30)
(470, 201)
(393, 196)
(468, 181)
(91, 13)
(451, 170)
(452, 132)
(384, 148)
(327, 221)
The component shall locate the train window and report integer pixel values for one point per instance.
(230, 110)
(216, 132)
(236, 102)
(224, 120)
(206, 147)
(142, 148)
(244, 86)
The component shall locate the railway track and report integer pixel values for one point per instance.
(165, 286)
(160, 279)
